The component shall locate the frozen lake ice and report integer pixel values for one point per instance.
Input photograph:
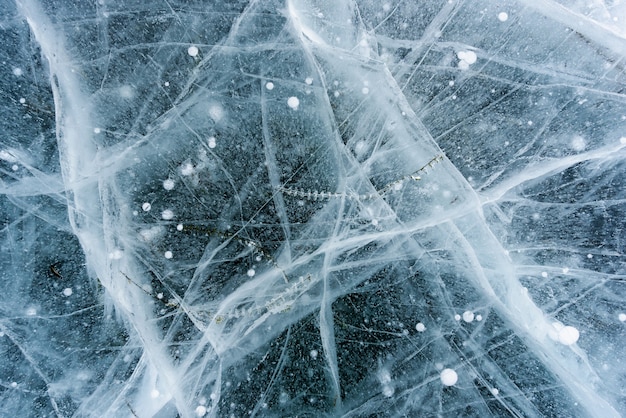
(313, 208)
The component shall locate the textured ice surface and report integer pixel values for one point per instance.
(312, 208)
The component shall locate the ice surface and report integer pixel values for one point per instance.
(312, 208)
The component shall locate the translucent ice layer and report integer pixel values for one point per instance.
(312, 208)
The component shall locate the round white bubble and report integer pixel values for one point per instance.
(313, 354)
(168, 184)
(457, 317)
(468, 316)
(146, 207)
(568, 335)
(448, 377)
(309, 80)
(167, 214)
(503, 16)
(22, 100)
(293, 102)
(17, 72)
(201, 410)
(251, 273)
(466, 58)
(216, 112)
(154, 394)
(193, 51)
(419, 327)
(168, 254)
(622, 317)
(67, 291)
(179, 227)
(269, 85)
(97, 130)
(212, 143)
(495, 391)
